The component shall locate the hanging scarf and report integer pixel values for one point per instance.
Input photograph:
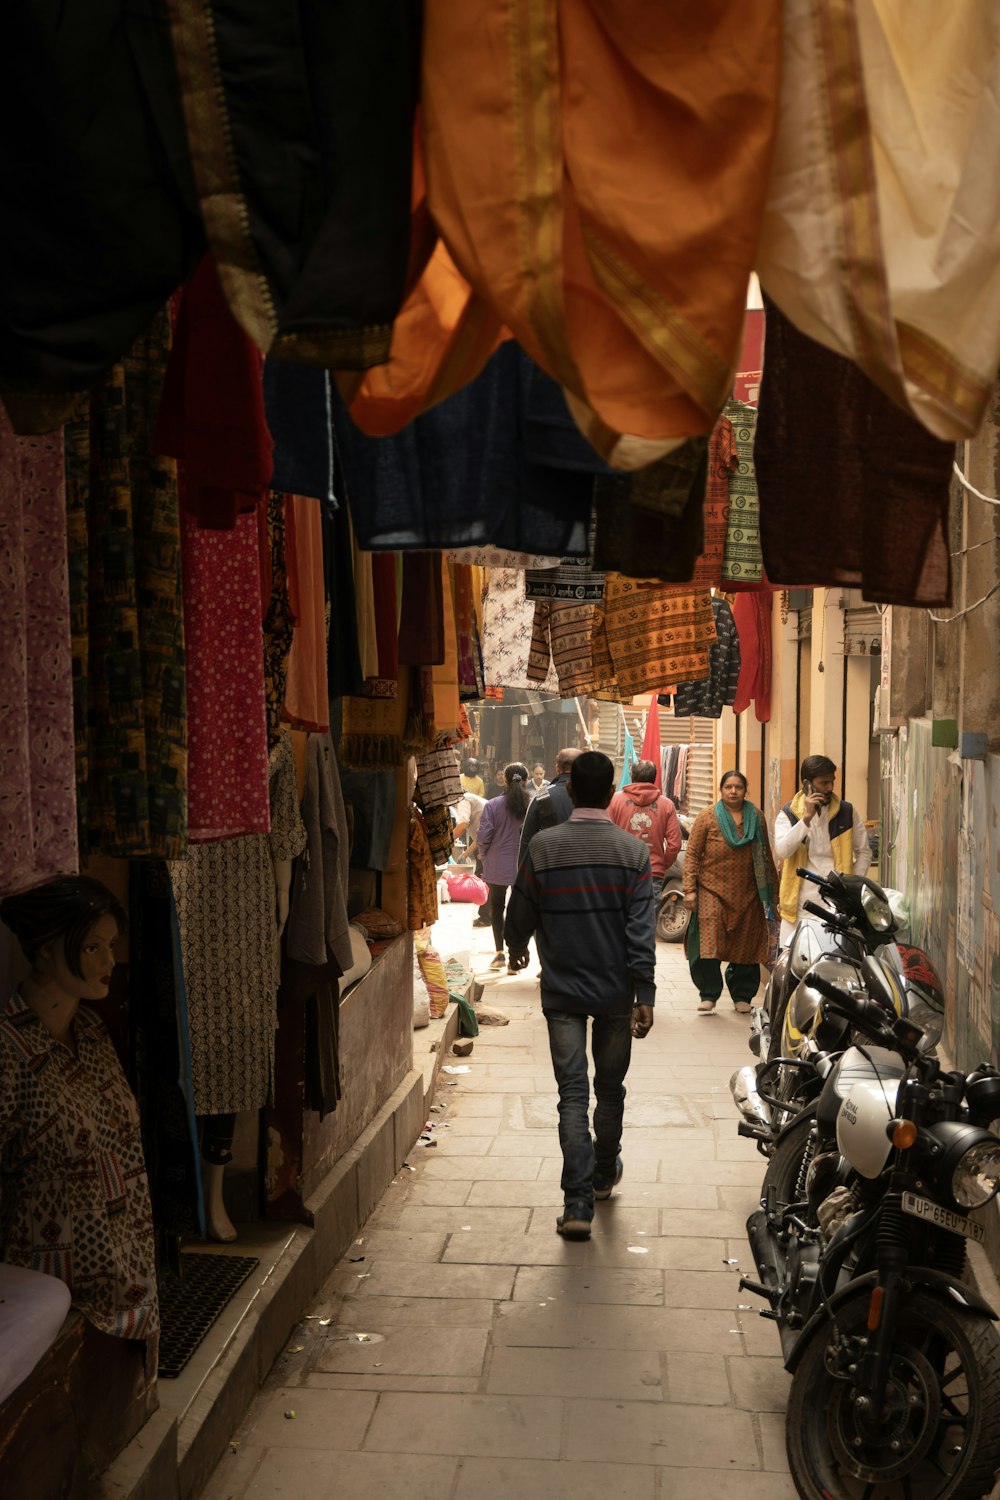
(754, 835)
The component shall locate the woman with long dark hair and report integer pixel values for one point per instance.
(499, 840)
(75, 1193)
(729, 887)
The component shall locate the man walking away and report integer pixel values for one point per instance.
(641, 809)
(818, 831)
(552, 805)
(583, 891)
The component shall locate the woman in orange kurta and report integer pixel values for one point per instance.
(729, 885)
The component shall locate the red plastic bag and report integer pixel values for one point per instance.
(464, 886)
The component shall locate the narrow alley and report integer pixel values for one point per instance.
(462, 1349)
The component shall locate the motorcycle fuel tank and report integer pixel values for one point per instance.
(867, 1082)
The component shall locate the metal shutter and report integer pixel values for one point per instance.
(699, 736)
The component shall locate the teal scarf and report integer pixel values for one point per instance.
(754, 835)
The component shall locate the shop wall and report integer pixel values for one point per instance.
(944, 853)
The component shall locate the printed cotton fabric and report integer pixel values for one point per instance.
(131, 659)
(743, 564)
(422, 902)
(76, 1197)
(723, 459)
(706, 700)
(508, 623)
(279, 621)
(438, 781)
(561, 637)
(227, 720)
(227, 913)
(37, 750)
(649, 634)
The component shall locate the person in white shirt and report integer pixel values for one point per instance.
(538, 782)
(819, 832)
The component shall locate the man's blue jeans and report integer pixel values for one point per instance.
(583, 1158)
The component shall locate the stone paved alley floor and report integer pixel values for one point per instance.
(505, 1364)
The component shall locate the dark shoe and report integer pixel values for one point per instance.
(482, 922)
(574, 1223)
(604, 1190)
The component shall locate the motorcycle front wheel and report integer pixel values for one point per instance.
(940, 1432)
(786, 1171)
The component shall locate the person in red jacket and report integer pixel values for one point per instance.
(641, 808)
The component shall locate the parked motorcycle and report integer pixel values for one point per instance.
(672, 916)
(858, 920)
(857, 917)
(895, 1361)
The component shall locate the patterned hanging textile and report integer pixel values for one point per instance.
(129, 655)
(648, 634)
(743, 563)
(37, 760)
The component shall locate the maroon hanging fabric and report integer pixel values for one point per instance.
(752, 617)
(421, 625)
(853, 490)
(212, 408)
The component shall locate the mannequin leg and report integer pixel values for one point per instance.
(216, 1151)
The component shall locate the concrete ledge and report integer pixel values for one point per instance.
(173, 1460)
(439, 1035)
(147, 1468)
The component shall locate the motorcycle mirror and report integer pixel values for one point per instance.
(878, 984)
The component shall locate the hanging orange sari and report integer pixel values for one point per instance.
(597, 171)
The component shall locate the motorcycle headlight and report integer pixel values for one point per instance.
(876, 908)
(976, 1179)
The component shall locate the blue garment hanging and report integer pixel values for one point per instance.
(630, 759)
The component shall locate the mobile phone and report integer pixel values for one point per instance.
(807, 787)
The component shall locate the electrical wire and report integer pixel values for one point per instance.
(947, 619)
(990, 499)
(989, 541)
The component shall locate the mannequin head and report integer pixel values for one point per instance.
(67, 931)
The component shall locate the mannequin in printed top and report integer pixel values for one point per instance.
(75, 1201)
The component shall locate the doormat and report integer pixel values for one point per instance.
(190, 1304)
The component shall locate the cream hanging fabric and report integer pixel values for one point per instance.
(881, 237)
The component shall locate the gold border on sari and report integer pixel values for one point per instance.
(849, 139)
(346, 348)
(933, 370)
(534, 59)
(668, 336)
(223, 205)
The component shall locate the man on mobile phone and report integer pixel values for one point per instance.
(820, 832)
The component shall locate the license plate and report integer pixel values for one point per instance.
(943, 1218)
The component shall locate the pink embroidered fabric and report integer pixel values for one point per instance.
(37, 765)
(227, 727)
